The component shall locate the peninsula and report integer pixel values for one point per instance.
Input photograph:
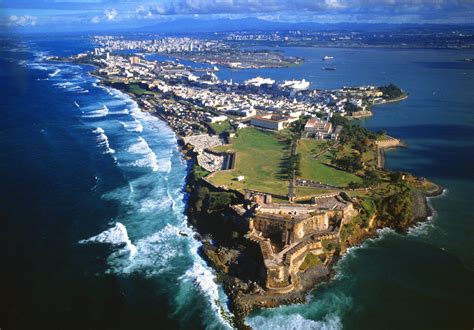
(282, 181)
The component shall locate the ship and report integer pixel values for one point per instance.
(327, 58)
(259, 81)
(329, 68)
(297, 85)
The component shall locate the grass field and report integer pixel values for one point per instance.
(220, 127)
(317, 170)
(260, 157)
(137, 90)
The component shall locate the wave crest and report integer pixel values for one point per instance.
(116, 235)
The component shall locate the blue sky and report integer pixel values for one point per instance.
(78, 13)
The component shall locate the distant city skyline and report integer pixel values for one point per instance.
(75, 14)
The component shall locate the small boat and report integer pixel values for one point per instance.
(329, 68)
(327, 58)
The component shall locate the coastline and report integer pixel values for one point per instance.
(358, 115)
(239, 308)
(395, 100)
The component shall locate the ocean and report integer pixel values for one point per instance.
(93, 201)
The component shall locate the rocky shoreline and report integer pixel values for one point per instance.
(244, 297)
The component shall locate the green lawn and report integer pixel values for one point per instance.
(220, 127)
(137, 90)
(259, 160)
(317, 170)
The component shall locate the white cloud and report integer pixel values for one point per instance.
(111, 14)
(25, 20)
(95, 20)
(318, 6)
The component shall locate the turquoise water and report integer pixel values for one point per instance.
(423, 280)
(93, 204)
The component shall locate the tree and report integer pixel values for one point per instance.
(396, 177)
(200, 196)
(391, 91)
(353, 185)
(350, 163)
(371, 178)
(217, 201)
(396, 209)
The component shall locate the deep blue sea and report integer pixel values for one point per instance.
(92, 201)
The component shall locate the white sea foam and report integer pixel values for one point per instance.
(295, 321)
(204, 279)
(149, 160)
(98, 130)
(425, 227)
(38, 66)
(119, 112)
(141, 147)
(133, 126)
(150, 204)
(103, 140)
(170, 198)
(97, 113)
(148, 157)
(63, 84)
(116, 235)
(151, 207)
(154, 254)
(422, 228)
(74, 88)
(55, 73)
(113, 103)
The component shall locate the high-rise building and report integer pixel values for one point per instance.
(134, 60)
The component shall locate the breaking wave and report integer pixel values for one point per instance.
(103, 140)
(116, 235)
(295, 321)
(97, 113)
(148, 159)
(119, 112)
(149, 235)
(133, 126)
(51, 75)
(426, 227)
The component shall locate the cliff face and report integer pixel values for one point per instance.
(272, 254)
(263, 257)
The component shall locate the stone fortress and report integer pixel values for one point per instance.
(287, 233)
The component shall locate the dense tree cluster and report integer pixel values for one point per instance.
(391, 91)
(396, 210)
(351, 163)
(296, 130)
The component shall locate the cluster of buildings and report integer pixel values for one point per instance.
(322, 129)
(272, 121)
(257, 96)
(189, 98)
(202, 145)
(162, 45)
